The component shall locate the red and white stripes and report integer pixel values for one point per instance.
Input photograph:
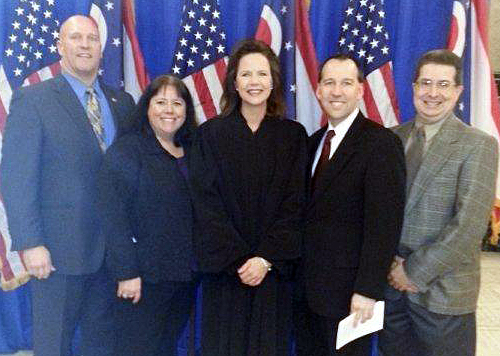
(135, 77)
(206, 89)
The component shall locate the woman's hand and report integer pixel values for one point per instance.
(130, 289)
(253, 271)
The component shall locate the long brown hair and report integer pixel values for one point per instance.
(231, 101)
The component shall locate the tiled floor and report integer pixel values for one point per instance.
(488, 313)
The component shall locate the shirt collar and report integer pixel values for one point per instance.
(79, 87)
(430, 129)
(343, 126)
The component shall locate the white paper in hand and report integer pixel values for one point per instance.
(346, 332)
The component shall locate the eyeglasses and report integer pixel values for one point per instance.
(441, 85)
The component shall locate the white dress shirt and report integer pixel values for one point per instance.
(340, 132)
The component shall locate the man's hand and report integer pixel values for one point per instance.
(398, 279)
(38, 262)
(130, 289)
(362, 307)
(253, 271)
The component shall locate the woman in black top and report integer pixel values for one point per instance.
(248, 179)
(149, 221)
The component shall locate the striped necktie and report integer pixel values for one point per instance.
(323, 158)
(414, 155)
(94, 115)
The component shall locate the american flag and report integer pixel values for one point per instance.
(201, 54)
(276, 28)
(30, 56)
(29, 47)
(468, 38)
(308, 110)
(108, 15)
(364, 35)
(135, 76)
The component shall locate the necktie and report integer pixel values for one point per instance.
(324, 157)
(414, 156)
(94, 115)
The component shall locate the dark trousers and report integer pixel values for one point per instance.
(153, 325)
(316, 335)
(63, 302)
(411, 330)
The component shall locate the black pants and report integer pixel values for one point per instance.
(411, 330)
(63, 302)
(153, 325)
(316, 335)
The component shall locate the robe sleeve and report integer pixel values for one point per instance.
(217, 244)
(283, 239)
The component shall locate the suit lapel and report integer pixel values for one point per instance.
(113, 105)
(403, 131)
(341, 157)
(442, 146)
(70, 102)
(314, 142)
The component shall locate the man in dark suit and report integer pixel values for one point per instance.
(452, 170)
(354, 216)
(54, 140)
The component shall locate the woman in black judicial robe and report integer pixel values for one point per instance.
(149, 221)
(248, 173)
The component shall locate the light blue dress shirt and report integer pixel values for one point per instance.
(108, 122)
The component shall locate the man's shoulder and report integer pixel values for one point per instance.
(39, 88)
(473, 133)
(398, 129)
(40, 95)
(375, 132)
(115, 93)
(468, 136)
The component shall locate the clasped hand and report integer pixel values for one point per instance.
(130, 289)
(398, 279)
(252, 272)
(38, 262)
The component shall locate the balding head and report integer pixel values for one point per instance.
(80, 48)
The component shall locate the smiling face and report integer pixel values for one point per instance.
(253, 81)
(339, 89)
(166, 112)
(435, 92)
(80, 48)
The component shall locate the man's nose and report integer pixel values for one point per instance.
(433, 90)
(336, 90)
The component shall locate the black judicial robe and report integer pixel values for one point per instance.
(249, 195)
